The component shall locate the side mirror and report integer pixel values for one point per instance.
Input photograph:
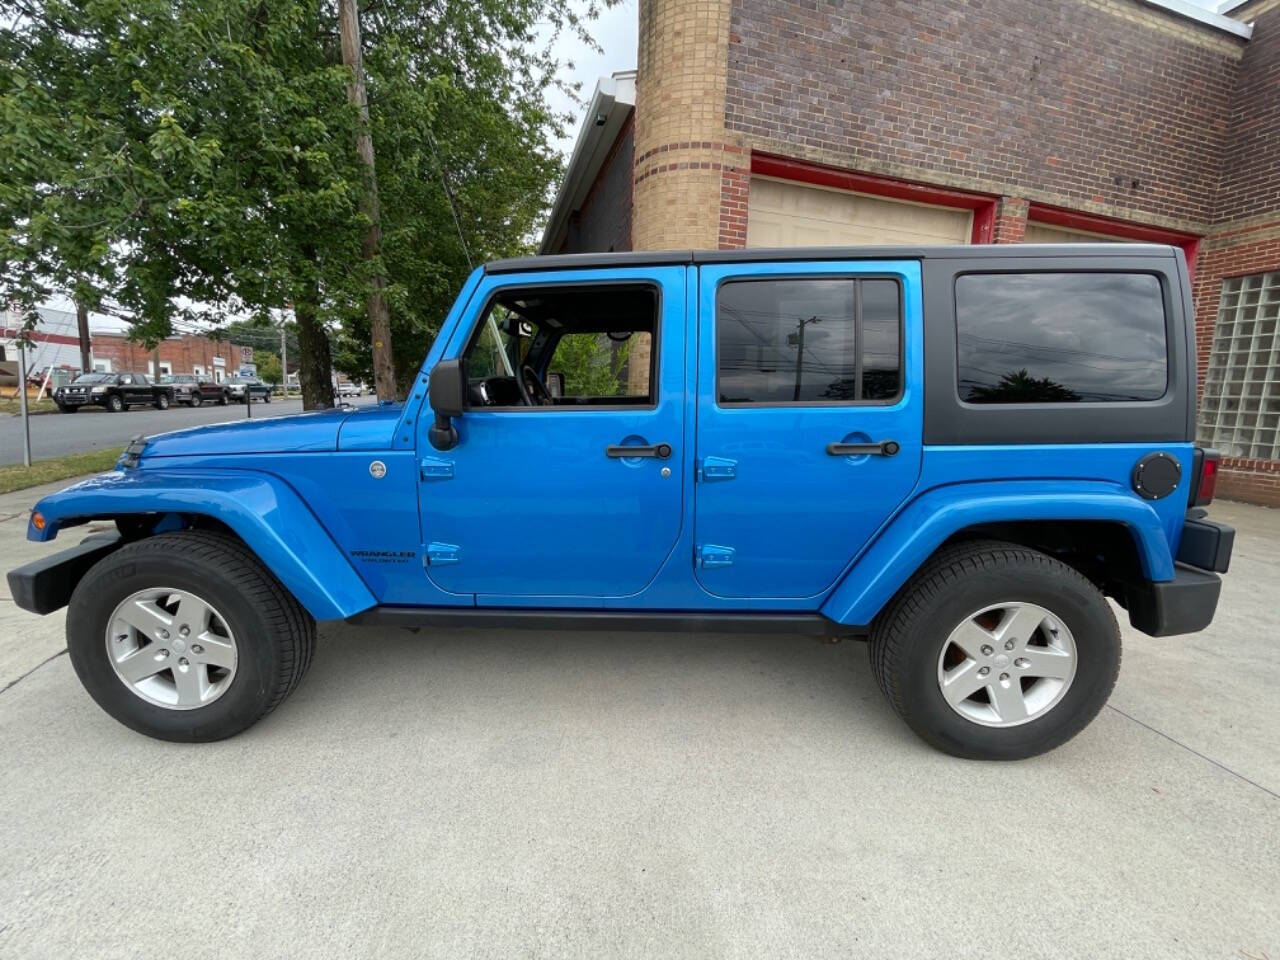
(448, 396)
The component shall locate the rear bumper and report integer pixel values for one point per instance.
(1185, 604)
(45, 585)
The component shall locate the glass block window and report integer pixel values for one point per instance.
(1240, 407)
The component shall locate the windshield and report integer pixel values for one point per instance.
(93, 378)
(179, 378)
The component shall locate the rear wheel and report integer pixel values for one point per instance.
(266, 398)
(162, 402)
(196, 399)
(994, 651)
(222, 399)
(187, 636)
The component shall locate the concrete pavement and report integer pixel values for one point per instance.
(675, 795)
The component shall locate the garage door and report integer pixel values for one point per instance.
(1044, 233)
(785, 214)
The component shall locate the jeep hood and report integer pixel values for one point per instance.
(342, 428)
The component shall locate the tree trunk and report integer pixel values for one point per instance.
(384, 371)
(86, 351)
(314, 362)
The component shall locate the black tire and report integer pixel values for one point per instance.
(162, 401)
(196, 400)
(908, 637)
(275, 636)
(222, 400)
(266, 398)
(62, 409)
(115, 403)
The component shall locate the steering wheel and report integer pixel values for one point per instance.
(532, 390)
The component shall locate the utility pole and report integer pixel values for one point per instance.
(797, 339)
(22, 401)
(284, 358)
(384, 373)
(86, 351)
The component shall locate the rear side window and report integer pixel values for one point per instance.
(820, 340)
(1060, 337)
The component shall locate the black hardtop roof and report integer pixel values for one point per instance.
(959, 251)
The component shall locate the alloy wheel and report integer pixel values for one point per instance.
(171, 648)
(1007, 664)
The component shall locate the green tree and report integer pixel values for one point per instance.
(268, 367)
(592, 364)
(181, 156)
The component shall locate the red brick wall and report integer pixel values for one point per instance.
(604, 221)
(182, 353)
(1101, 104)
(1250, 183)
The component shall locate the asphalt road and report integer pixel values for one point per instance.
(56, 434)
(486, 794)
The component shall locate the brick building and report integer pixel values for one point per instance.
(782, 122)
(56, 343)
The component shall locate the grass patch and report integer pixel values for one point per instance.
(10, 405)
(60, 468)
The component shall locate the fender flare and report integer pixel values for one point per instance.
(925, 523)
(261, 509)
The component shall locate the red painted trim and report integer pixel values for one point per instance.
(39, 336)
(784, 168)
(1110, 226)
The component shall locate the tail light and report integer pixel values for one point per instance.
(1205, 480)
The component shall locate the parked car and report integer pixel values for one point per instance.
(115, 391)
(956, 453)
(247, 389)
(348, 389)
(193, 390)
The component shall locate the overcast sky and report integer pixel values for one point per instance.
(615, 31)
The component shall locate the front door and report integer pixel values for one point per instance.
(542, 502)
(809, 419)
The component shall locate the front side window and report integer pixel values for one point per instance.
(819, 340)
(559, 346)
(1060, 337)
(1240, 407)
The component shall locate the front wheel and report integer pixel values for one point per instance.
(65, 409)
(995, 651)
(266, 398)
(186, 636)
(222, 399)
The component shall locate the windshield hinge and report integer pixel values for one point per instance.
(432, 468)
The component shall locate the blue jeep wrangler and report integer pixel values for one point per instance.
(957, 453)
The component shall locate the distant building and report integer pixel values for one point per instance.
(57, 344)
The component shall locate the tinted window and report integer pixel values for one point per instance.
(798, 341)
(1060, 337)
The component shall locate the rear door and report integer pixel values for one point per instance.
(809, 411)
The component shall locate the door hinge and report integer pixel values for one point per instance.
(443, 554)
(710, 555)
(711, 469)
(433, 468)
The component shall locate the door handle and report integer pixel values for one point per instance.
(885, 448)
(659, 450)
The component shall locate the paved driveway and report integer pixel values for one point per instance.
(660, 795)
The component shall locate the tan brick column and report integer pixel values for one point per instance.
(681, 144)
(680, 135)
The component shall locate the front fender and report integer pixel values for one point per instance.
(926, 523)
(263, 510)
